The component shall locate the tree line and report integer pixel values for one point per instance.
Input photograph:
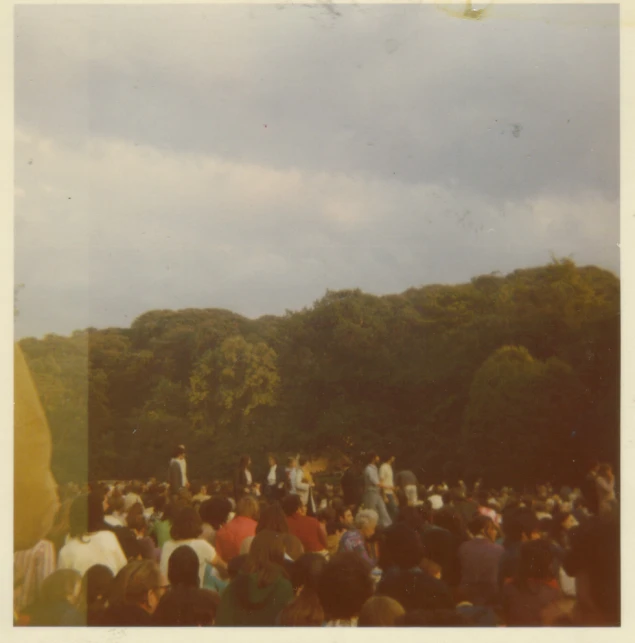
(512, 378)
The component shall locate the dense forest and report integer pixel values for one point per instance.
(515, 378)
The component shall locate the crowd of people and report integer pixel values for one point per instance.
(374, 548)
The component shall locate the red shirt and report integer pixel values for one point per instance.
(309, 531)
(229, 537)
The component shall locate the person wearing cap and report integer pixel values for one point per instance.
(177, 473)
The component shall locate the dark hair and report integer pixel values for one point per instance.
(195, 487)
(370, 457)
(345, 585)
(235, 565)
(183, 567)
(291, 504)
(401, 547)
(96, 585)
(536, 562)
(116, 502)
(518, 523)
(58, 585)
(273, 518)
(158, 503)
(178, 450)
(187, 524)
(135, 518)
(266, 558)
(303, 460)
(479, 524)
(244, 462)
(185, 606)
(215, 511)
(306, 609)
(86, 515)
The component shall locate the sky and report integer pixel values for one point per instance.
(252, 157)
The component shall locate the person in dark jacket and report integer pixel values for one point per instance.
(243, 480)
(275, 483)
(352, 483)
(261, 589)
(402, 577)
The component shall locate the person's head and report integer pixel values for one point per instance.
(292, 505)
(272, 460)
(306, 609)
(266, 557)
(372, 458)
(187, 524)
(61, 585)
(244, 463)
(215, 511)
(605, 471)
(96, 584)
(179, 452)
(187, 607)
(345, 516)
(145, 585)
(273, 518)
(86, 515)
(521, 525)
(536, 561)
(196, 488)
(389, 459)
(116, 503)
(401, 547)
(344, 586)
(183, 566)
(483, 526)
(248, 507)
(380, 611)
(366, 521)
(292, 463)
(292, 546)
(303, 461)
(135, 519)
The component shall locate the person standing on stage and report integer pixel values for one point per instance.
(177, 473)
(276, 481)
(372, 491)
(388, 485)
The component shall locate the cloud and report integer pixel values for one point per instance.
(117, 228)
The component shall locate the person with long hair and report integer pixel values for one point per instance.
(261, 589)
(243, 481)
(306, 609)
(231, 535)
(304, 486)
(96, 587)
(273, 518)
(58, 600)
(140, 585)
(276, 480)
(186, 530)
(90, 542)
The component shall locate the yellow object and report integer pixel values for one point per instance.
(35, 490)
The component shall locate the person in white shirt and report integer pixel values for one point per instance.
(292, 470)
(372, 498)
(275, 488)
(304, 486)
(116, 516)
(89, 543)
(177, 473)
(386, 479)
(187, 529)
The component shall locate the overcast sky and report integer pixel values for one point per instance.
(251, 157)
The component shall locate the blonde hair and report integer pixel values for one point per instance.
(365, 518)
(380, 611)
